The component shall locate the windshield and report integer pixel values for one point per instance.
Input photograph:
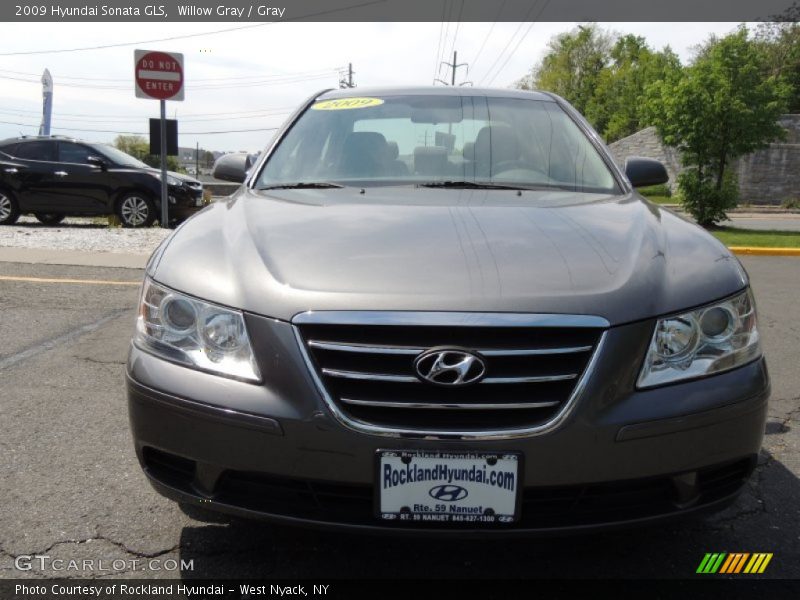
(397, 140)
(118, 156)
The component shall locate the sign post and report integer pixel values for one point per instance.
(159, 76)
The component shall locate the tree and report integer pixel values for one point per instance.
(778, 46)
(616, 109)
(720, 108)
(139, 148)
(572, 65)
(603, 76)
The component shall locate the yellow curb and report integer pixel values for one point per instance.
(755, 251)
(54, 280)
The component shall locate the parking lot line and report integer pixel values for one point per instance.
(56, 280)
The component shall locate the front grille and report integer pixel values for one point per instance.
(368, 372)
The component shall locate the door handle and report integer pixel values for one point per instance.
(11, 170)
(60, 173)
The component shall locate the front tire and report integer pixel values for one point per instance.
(49, 218)
(136, 210)
(9, 209)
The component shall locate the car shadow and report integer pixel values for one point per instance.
(765, 518)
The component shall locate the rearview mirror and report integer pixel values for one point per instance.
(232, 167)
(645, 171)
(96, 161)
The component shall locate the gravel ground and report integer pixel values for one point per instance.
(86, 234)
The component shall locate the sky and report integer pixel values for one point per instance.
(247, 81)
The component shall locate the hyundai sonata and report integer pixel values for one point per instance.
(446, 310)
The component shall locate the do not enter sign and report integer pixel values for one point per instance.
(158, 75)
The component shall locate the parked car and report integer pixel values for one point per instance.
(55, 177)
(446, 310)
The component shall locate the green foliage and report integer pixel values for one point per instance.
(603, 77)
(572, 65)
(616, 109)
(662, 190)
(792, 203)
(701, 198)
(139, 147)
(778, 46)
(719, 109)
(770, 238)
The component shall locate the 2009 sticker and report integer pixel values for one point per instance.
(346, 103)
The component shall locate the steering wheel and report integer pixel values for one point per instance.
(511, 165)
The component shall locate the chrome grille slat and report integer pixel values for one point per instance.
(412, 351)
(370, 376)
(412, 379)
(364, 348)
(439, 406)
(532, 379)
(364, 364)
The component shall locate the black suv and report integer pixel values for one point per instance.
(53, 177)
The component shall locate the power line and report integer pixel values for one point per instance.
(142, 132)
(193, 35)
(458, 27)
(215, 86)
(510, 40)
(489, 34)
(277, 110)
(449, 10)
(527, 31)
(439, 43)
(200, 80)
(110, 119)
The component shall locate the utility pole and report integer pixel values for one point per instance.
(454, 65)
(347, 83)
(197, 161)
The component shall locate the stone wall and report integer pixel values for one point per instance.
(646, 143)
(769, 176)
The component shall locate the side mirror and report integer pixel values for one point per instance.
(232, 167)
(96, 161)
(645, 171)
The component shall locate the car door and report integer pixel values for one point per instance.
(34, 174)
(85, 187)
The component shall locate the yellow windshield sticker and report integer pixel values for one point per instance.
(346, 103)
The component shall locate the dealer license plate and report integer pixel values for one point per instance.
(448, 487)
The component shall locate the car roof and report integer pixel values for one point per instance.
(38, 138)
(431, 90)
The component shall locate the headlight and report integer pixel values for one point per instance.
(708, 340)
(174, 181)
(194, 333)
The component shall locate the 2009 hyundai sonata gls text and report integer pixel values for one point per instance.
(446, 310)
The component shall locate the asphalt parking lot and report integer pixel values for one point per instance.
(70, 486)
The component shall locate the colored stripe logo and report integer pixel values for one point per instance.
(734, 563)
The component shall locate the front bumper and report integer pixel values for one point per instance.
(274, 451)
(184, 201)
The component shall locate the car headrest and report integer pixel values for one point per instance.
(430, 160)
(363, 152)
(393, 150)
(468, 152)
(496, 143)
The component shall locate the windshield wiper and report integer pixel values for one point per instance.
(476, 185)
(302, 185)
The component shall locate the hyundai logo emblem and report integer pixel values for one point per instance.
(448, 493)
(449, 366)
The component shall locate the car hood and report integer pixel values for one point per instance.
(280, 253)
(182, 176)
